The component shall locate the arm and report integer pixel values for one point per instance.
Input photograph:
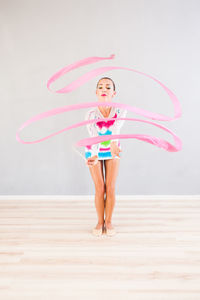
(121, 113)
(115, 150)
(92, 129)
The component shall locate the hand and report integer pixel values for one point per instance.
(114, 149)
(91, 161)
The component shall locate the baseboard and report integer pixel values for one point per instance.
(88, 197)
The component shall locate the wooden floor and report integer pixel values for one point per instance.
(47, 250)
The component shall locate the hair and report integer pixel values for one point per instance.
(109, 79)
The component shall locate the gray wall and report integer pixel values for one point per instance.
(158, 37)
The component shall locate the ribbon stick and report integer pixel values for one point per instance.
(94, 140)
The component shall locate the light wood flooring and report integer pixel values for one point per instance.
(47, 250)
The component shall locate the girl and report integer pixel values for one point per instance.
(104, 154)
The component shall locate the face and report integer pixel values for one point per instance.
(105, 87)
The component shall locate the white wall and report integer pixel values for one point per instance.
(158, 37)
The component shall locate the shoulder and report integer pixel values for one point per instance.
(90, 114)
(120, 111)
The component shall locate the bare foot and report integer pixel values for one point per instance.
(99, 225)
(109, 225)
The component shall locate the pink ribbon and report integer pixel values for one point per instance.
(94, 140)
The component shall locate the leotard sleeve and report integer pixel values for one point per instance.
(121, 113)
(92, 129)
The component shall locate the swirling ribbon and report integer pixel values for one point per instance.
(94, 140)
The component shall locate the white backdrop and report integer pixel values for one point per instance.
(158, 37)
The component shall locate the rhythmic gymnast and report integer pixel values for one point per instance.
(105, 155)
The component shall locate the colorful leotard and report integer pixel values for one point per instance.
(102, 150)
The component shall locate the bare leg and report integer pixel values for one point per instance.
(111, 172)
(104, 188)
(97, 176)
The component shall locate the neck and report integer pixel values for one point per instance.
(105, 110)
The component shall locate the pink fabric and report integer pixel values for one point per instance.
(90, 141)
(104, 149)
(106, 124)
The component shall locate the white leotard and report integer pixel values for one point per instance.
(102, 150)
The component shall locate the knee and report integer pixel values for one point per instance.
(110, 188)
(100, 188)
